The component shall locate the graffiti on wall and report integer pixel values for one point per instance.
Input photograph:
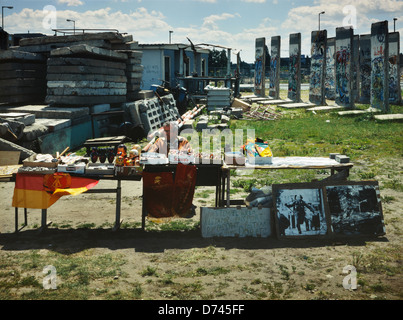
(365, 68)
(318, 64)
(260, 66)
(330, 75)
(379, 66)
(394, 69)
(355, 69)
(344, 67)
(274, 87)
(294, 67)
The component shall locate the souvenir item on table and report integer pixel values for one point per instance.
(94, 155)
(123, 149)
(102, 155)
(133, 157)
(181, 156)
(258, 152)
(153, 158)
(111, 154)
(120, 160)
(208, 158)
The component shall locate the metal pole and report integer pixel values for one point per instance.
(2, 15)
(319, 17)
(394, 24)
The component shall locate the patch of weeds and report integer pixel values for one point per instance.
(214, 271)
(137, 291)
(86, 226)
(388, 199)
(149, 272)
(394, 184)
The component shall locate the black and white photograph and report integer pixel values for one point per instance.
(355, 209)
(299, 212)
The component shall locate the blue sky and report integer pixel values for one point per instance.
(230, 23)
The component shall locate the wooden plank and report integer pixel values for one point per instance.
(108, 36)
(83, 49)
(86, 91)
(69, 61)
(85, 70)
(86, 84)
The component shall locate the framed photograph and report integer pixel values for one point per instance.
(300, 210)
(355, 208)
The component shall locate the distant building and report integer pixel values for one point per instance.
(168, 62)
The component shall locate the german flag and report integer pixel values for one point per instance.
(37, 191)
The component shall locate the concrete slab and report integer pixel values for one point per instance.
(45, 111)
(389, 117)
(26, 118)
(358, 112)
(298, 105)
(54, 124)
(276, 101)
(325, 108)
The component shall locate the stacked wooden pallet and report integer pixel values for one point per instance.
(22, 77)
(86, 75)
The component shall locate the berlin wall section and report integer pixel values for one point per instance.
(274, 88)
(260, 57)
(380, 66)
(344, 70)
(294, 77)
(365, 68)
(356, 68)
(395, 93)
(318, 66)
(330, 76)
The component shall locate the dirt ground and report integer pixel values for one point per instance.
(209, 268)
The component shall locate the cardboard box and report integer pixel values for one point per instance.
(259, 160)
(30, 162)
(234, 158)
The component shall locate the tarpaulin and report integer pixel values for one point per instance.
(37, 191)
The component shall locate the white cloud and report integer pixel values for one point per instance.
(71, 3)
